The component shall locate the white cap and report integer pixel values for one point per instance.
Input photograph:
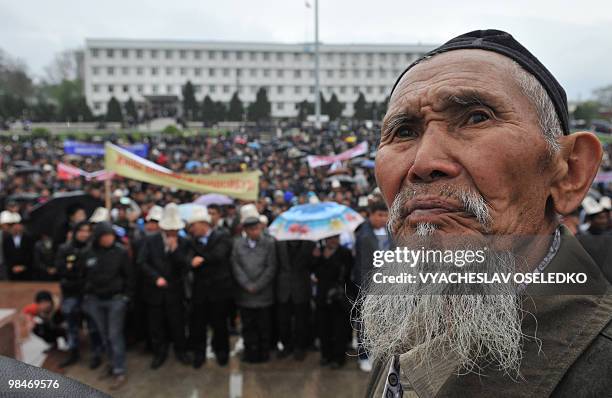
(6, 217)
(101, 214)
(199, 214)
(605, 202)
(155, 214)
(248, 210)
(335, 184)
(171, 218)
(592, 206)
(263, 219)
(15, 218)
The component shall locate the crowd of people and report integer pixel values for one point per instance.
(142, 273)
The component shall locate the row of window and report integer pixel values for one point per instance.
(279, 106)
(174, 89)
(247, 55)
(227, 72)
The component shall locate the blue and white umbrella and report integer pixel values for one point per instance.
(186, 209)
(315, 222)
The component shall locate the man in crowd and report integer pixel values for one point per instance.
(163, 260)
(107, 288)
(476, 143)
(254, 267)
(293, 291)
(212, 287)
(18, 250)
(370, 237)
(70, 270)
(44, 320)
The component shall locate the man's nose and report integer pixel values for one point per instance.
(432, 161)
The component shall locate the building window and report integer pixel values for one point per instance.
(169, 89)
(125, 53)
(138, 53)
(211, 72)
(253, 55)
(342, 74)
(226, 89)
(342, 90)
(110, 71)
(253, 72)
(395, 58)
(383, 73)
(266, 72)
(211, 55)
(330, 73)
(311, 73)
(111, 88)
(197, 54)
(382, 89)
(212, 89)
(183, 54)
(297, 57)
(125, 88)
(311, 89)
(266, 56)
(297, 73)
(356, 73)
(139, 71)
(153, 53)
(280, 106)
(225, 55)
(369, 90)
(183, 71)
(330, 90)
(253, 89)
(168, 54)
(97, 105)
(125, 71)
(139, 88)
(280, 73)
(329, 57)
(369, 73)
(226, 72)
(383, 57)
(110, 53)
(239, 55)
(356, 90)
(153, 71)
(154, 88)
(197, 71)
(279, 89)
(238, 72)
(169, 71)
(279, 57)
(197, 88)
(95, 88)
(297, 89)
(94, 52)
(95, 70)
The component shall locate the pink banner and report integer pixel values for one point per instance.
(604, 176)
(318, 161)
(68, 172)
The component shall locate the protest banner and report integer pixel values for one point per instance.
(94, 149)
(318, 161)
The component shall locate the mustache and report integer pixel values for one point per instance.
(470, 201)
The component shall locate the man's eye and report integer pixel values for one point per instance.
(478, 117)
(406, 132)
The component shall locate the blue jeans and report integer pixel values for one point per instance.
(71, 309)
(109, 317)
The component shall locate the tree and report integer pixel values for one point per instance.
(604, 95)
(260, 109)
(587, 111)
(361, 108)
(235, 112)
(64, 66)
(220, 111)
(82, 109)
(304, 108)
(130, 111)
(334, 108)
(113, 111)
(208, 111)
(190, 105)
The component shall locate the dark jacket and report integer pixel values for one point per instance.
(69, 268)
(254, 269)
(366, 243)
(22, 255)
(332, 275)
(43, 258)
(212, 281)
(295, 262)
(571, 357)
(155, 262)
(107, 271)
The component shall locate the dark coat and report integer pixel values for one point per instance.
(69, 268)
(22, 255)
(572, 356)
(254, 269)
(366, 243)
(332, 275)
(295, 263)
(155, 262)
(212, 281)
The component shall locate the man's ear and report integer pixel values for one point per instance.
(577, 163)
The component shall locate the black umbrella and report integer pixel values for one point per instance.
(45, 217)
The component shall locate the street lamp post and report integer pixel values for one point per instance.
(317, 85)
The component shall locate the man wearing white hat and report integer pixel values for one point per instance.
(212, 287)
(5, 217)
(18, 249)
(163, 260)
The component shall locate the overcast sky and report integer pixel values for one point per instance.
(572, 38)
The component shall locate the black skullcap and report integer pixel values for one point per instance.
(503, 43)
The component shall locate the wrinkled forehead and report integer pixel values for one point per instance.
(484, 72)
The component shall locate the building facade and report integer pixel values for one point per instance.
(153, 72)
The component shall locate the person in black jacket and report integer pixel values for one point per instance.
(18, 250)
(163, 260)
(107, 290)
(293, 292)
(71, 274)
(332, 270)
(212, 287)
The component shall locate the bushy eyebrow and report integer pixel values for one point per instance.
(396, 120)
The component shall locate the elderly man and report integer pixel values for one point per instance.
(476, 143)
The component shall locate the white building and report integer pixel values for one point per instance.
(153, 71)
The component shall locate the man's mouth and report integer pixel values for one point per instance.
(427, 208)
